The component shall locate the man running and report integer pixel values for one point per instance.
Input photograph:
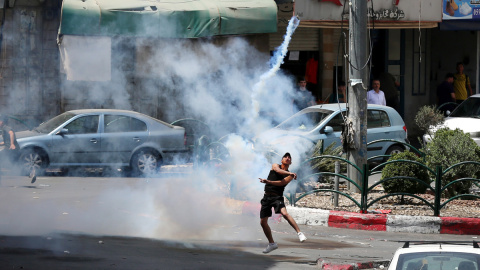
(275, 184)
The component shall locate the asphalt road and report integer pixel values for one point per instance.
(161, 223)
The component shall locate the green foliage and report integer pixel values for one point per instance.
(449, 147)
(327, 164)
(405, 169)
(428, 116)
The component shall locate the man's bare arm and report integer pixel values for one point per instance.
(12, 137)
(280, 183)
(277, 169)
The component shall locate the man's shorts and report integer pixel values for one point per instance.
(269, 201)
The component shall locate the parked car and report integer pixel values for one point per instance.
(101, 138)
(465, 117)
(437, 255)
(324, 122)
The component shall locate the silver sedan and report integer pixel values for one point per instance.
(101, 138)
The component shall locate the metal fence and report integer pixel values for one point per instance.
(364, 203)
(206, 152)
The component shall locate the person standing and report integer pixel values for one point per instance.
(461, 84)
(390, 89)
(9, 153)
(342, 94)
(278, 178)
(446, 94)
(303, 98)
(376, 96)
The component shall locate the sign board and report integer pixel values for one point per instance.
(380, 10)
(461, 10)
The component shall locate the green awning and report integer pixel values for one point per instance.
(168, 19)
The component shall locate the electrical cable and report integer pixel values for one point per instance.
(420, 33)
(370, 53)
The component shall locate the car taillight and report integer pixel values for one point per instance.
(185, 138)
(406, 132)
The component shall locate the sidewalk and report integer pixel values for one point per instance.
(372, 222)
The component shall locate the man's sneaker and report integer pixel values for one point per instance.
(270, 247)
(302, 237)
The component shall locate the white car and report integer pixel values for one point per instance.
(431, 255)
(325, 122)
(465, 117)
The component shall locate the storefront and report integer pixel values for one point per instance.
(461, 25)
(400, 40)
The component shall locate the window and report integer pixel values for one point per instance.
(336, 122)
(83, 125)
(122, 123)
(306, 121)
(376, 119)
(438, 260)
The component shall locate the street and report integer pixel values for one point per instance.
(159, 223)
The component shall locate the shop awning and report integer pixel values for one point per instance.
(167, 19)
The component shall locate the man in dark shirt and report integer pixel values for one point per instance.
(10, 153)
(278, 178)
(446, 94)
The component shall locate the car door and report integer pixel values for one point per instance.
(78, 143)
(121, 135)
(378, 127)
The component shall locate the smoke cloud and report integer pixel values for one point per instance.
(232, 87)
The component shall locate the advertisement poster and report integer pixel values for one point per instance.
(461, 9)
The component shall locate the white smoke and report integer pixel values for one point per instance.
(232, 87)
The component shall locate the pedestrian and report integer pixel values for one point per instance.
(376, 96)
(303, 97)
(9, 153)
(446, 94)
(461, 84)
(278, 178)
(390, 89)
(342, 94)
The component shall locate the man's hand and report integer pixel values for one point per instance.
(294, 175)
(12, 147)
(263, 180)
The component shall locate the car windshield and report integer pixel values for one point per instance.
(468, 108)
(50, 125)
(438, 260)
(305, 120)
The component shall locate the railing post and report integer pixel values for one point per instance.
(438, 190)
(364, 189)
(335, 195)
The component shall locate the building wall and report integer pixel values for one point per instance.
(29, 80)
(416, 79)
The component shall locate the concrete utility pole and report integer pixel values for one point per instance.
(357, 93)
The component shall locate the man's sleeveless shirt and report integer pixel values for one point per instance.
(274, 176)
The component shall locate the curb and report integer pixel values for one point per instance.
(325, 265)
(376, 222)
(385, 222)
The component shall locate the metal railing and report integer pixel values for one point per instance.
(364, 203)
(207, 152)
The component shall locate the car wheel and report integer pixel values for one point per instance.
(145, 163)
(395, 149)
(32, 159)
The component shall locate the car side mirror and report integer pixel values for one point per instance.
(327, 130)
(62, 132)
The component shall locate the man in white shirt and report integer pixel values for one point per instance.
(376, 96)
